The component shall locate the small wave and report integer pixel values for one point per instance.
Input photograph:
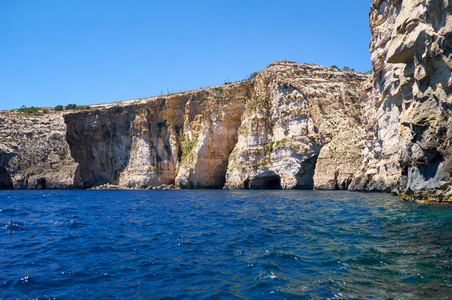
(75, 224)
(8, 210)
(24, 281)
(373, 257)
(271, 275)
(15, 226)
(13, 212)
(288, 256)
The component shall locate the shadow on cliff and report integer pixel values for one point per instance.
(267, 181)
(5, 180)
(100, 143)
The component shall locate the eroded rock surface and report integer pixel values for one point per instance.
(295, 109)
(294, 126)
(34, 153)
(274, 126)
(210, 134)
(409, 108)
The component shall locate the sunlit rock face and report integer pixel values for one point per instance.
(407, 113)
(182, 139)
(209, 135)
(294, 126)
(34, 153)
(262, 133)
(294, 110)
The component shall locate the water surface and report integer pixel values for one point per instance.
(219, 244)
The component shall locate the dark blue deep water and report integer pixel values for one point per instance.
(222, 245)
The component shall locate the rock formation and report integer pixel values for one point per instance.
(293, 126)
(404, 141)
(209, 136)
(409, 107)
(34, 153)
(295, 109)
(274, 126)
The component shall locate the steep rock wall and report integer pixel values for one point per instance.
(274, 126)
(34, 153)
(182, 139)
(293, 126)
(295, 109)
(404, 143)
(210, 134)
(409, 106)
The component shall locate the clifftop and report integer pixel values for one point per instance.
(182, 138)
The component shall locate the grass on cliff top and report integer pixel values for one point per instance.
(38, 111)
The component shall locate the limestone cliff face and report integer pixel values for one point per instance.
(210, 134)
(132, 145)
(404, 142)
(34, 153)
(294, 110)
(408, 110)
(294, 126)
(182, 139)
(274, 126)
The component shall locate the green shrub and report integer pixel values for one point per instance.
(253, 75)
(58, 108)
(28, 110)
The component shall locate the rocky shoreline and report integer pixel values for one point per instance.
(293, 126)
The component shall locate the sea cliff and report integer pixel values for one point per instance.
(261, 133)
(293, 126)
(408, 109)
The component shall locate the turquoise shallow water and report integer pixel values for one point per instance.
(216, 244)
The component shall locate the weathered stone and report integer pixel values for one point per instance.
(410, 151)
(34, 153)
(293, 126)
(294, 111)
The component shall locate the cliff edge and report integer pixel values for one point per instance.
(293, 126)
(409, 106)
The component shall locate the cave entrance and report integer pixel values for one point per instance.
(41, 184)
(272, 183)
(5, 180)
(246, 184)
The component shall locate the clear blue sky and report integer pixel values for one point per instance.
(95, 51)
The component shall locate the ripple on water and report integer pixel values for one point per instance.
(13, 226)
(222, 245)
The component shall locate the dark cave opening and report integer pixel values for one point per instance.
(5, 180)
(264, 182)
(246, 184)
(273, 183)
(41, 184)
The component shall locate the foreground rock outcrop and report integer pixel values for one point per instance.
(409, 106)
(404, 143)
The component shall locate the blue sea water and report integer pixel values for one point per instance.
(215, 244)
